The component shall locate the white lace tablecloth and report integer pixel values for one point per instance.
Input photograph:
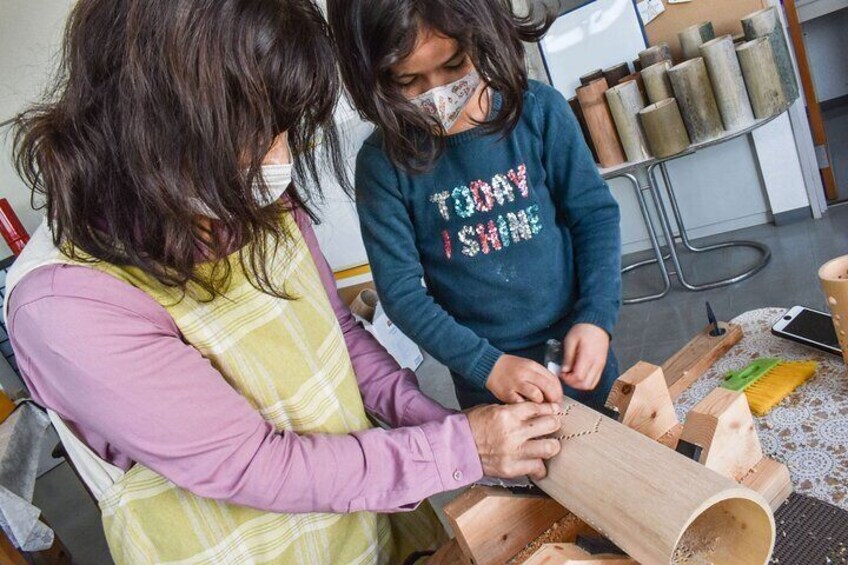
(808, 431)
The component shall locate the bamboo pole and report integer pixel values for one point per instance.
(600, 123)
(693, 37)
(834, 280)
(766, 23)
(664, 128)
(616, 74)
(581, 119)
(694, 94)
(655, 504)
(655, 54)
(762, 78)
(728, 84)
(657, 83)
(591, 77)
(625, 102)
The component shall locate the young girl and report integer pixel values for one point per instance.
(478, 181)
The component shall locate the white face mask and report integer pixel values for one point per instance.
(447, 102)
(277, 179)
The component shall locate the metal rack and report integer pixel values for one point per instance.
(670, 252)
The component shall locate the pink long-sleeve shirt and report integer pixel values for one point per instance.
(112, 363)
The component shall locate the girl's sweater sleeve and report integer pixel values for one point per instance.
(389, 238)
(111, 362)
(586, 206)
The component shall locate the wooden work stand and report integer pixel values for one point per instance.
(495, 526)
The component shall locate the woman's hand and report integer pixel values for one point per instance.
(511, 439)
(586, 349)
(514, 380)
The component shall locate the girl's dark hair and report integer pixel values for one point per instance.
(160, 103)
(373, 35)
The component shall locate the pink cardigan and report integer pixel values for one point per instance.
(111, 362)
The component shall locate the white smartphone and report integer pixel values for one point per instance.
(808, 327)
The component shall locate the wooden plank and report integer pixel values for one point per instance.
(449, 554)
(698, 356)
(641, 397)
(570, 554)
(8, 554)
(725, 15)
(723, 426)
(771, 479)
(492, 525)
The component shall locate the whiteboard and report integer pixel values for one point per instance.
(595, 36)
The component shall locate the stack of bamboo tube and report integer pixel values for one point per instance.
(660, 110)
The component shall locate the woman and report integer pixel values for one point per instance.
(177, 314)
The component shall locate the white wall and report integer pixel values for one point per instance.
(826, 39)
(30, 35)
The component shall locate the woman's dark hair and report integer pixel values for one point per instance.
(373, 35)
(159, 104)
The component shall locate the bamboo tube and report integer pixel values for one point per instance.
(655, 54)
(664, 128)
(762, 78)
(694, 94)
(600, 124)
(728, 84)
(693, 37)
(766, 23)
(581, 119)
(655, 504)
(625, 102)
(616, 74)
(591, 77)
(657, 83)
(637, 65)
(834, 279)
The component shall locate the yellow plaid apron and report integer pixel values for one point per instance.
(289, 360)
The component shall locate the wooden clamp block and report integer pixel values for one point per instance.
(698, 356)
(642, 399)
(723, 426)
(570, 554)
(493, 525)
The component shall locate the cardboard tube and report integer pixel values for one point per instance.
(664, 128)
(655, 54)
(625, 102)
(766, 23)
(728, 84)
(657, 83)
(693, 37)
(834, 280)
(616, 74)
(591, 77)
(762, 78)
(655, 504)
(694, 94)
(600, 123)
(365, 304)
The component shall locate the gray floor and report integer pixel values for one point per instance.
(650, 332)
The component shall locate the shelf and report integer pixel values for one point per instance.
(812, 9)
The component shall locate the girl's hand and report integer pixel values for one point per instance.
(511, 440)
(514, 380)
(586, 349)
